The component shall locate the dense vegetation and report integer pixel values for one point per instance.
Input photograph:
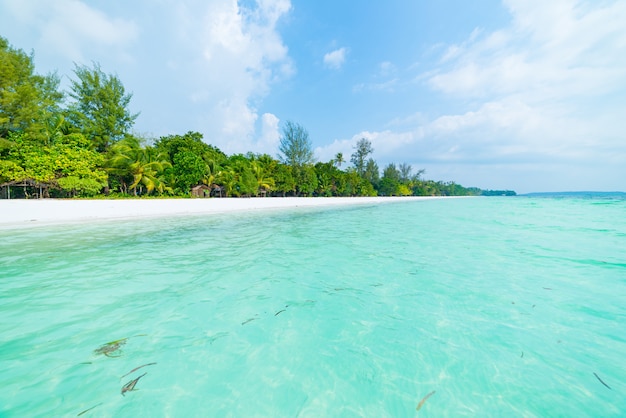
(80, 143)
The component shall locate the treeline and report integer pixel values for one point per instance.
(80, 143)
(497, 193)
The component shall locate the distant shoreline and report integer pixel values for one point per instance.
(22, 213)
(573, 194)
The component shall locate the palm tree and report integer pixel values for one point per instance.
(226, 178)
(264, 180)
(145, 165)
(339, 159)
(55, 128)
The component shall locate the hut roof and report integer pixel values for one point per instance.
(25, 182)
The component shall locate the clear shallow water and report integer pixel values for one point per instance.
(503, 307)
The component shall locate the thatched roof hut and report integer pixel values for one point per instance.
(31, 189)
(201, 190)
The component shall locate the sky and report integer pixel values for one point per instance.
(528, 95)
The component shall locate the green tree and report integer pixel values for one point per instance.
(11, 171)
(363, 148)
(81, 169)
(226, 177)
(339, 159)
(372, 173)
(27, 100)
(306, 180)
(100, 108)
(391, 172)
(193, 161)
(325, 176)
(404, 171)
(237, 177)
(137, 166)
(425, 188)
(295, 146)
(297, 152)
(77, 186)
(67, 165)
(11, 161)
(262, 169)
(56, 127)
(285, 181)
(246, 182)
(191, 141)
(189, 170)
(390, 182)
(351, 183)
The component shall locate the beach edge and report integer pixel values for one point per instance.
(20, 213)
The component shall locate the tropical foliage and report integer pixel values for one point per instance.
(100, 107)
(86, 147)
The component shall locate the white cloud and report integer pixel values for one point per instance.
(386, 86)
(74, 29)
(237, 55)
(384, 144)
(387, 69)
(270, 135)
(542, 88)
(544, 91)
(385, 79)
(213, 60)
(559, 49)
(335, 59)
(327, 152)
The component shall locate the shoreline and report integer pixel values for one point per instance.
(25, 213)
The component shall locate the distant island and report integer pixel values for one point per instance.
(581, 194)
(497, 193)
(85, 147)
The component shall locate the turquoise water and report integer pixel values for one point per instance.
(501, 306)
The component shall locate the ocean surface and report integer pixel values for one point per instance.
(476, 307)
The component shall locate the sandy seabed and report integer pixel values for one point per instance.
(22, 213)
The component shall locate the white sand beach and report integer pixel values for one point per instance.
(20, 213)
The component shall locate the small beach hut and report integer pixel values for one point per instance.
(216, 191)
(30, 189)
(201, 190)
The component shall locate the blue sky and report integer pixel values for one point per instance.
(527, 95)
